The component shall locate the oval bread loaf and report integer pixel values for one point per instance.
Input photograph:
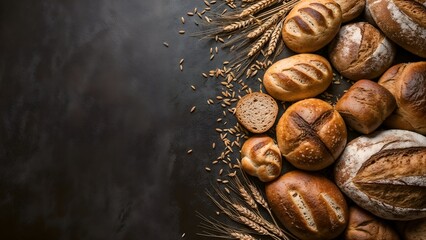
(351, 8)
(309, 205)
(298, 77)
(311, 25)
(385, 173)
(260, 157)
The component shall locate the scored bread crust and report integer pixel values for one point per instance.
(298, 77)
(257, 112)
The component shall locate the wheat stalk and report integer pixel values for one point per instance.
(253, 225)
(274, 39)
(257, 7)
(267, 24)
(260, 43)
(240, 24)
(241, 236)
(247, 197)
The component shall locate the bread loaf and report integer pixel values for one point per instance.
(260, 157)
(364, 226)
(403, 21)
(309, 205)
(385, 173)
(257, 112)
(414, 230)
(365, 106)
(311, 25)
(360, 51)
(298, 77)
(351, 8)
(311, 134)
(407, 82)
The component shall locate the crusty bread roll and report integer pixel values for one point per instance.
(365, 106)
(309, 205)
(351, 8)
(260, 157)
(407, 82)
(257, 112)
(364, 226)
(385, 173)
(414, 230)
(403, 21)
(311, 134)
(360, 51)
(311, 25)
(298, 77)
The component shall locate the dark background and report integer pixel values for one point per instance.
(95, 122)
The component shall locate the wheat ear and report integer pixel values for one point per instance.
(242, 236)
(257, 7)
(267, 24)
(260, 43)
(240, 24)
(274, 39)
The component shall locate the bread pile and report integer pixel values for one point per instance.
(379, 179)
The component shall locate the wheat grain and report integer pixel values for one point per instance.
(257, 46)
(257, 7)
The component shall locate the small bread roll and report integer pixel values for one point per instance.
(365, 226)
(404, 22)
(309, 205)
(257, 112)
(311, 134)
(298, 77)
(360, 51)
(407, 82)
(261, 157)
(365, 106)
(311, 25)
(351, 8)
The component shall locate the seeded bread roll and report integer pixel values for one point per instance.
(309, 205)
(261, 157)
(360, 51)
(403, 21)
(257, 112)
(385, 173)
(311, 25)
(311, 134)
(407, 82)
(365, 106)
(298, 77)
(365, 226)
(351, 8)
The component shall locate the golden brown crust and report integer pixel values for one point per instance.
(351, 8)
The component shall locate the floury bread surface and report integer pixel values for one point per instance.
(385, 173)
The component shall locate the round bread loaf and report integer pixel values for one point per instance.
(309, 205)
(360, 51)
(260, 157)
(364, 226)
(385, 173)
(414, 230)
(407, 82)
(311, 134)
(365, 106)
(403, 21)
(257, 112)
(298, 77)
(351, 8)
(311, 25)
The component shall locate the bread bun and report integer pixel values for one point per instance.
(385, 173)
(260, 157)
(257, 112)
(311, 25)
(364, 226)
(351, 8)
(360, 51)
(311, 134)
(407, 82)
(298, 77)
(403, 21)
(365, 106)
(309, 205)
(414, 230)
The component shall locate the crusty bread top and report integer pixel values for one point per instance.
(257, 112)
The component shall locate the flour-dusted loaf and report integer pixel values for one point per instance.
(257, 112)
(385, 173)
(311, 134)
(365, 106)
(360, 51)
(403, 21)
(407, 82)
(261, 157)
(351, 8)
(311, 25)
(309, 205)
(298, 77)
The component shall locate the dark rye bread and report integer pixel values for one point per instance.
(257, 112)
(311, 25)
